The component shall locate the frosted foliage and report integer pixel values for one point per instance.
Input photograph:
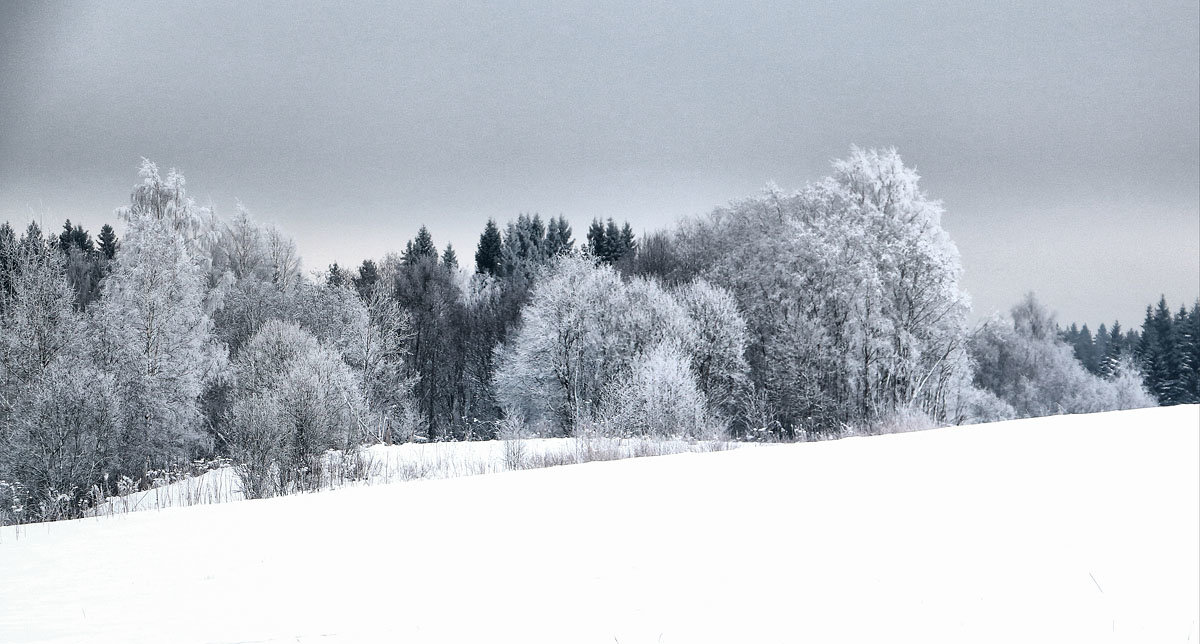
(850, 289)
(156, 340)
(584, 328)
(64, 437)
(37, 323)
(293, 400)
(718, 357)
(1021, 360)
(659, 397)
(166, 200)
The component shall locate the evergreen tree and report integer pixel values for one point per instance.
(628, 241)
(450, 258)
(1085, 350)
(420, 247)
(558, 237)
(335, 276)
(1189, 335)
(8, 261)
(597, 242)
(612, 242)
(1159, 355)
(108, 242)
(75, 237)
(1100, 347)
(490, 249)
(368, 275)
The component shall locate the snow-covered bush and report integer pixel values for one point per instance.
(584, 328)
(850, 289)
(293, 400)
(1022, 361)
(659, 397)
(63, 440)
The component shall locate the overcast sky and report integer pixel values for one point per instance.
(1064, 140)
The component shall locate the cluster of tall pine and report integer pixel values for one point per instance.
(1166, 348)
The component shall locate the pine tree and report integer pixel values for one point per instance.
(368, 275)
(597, 243)
(450, 258)
(75, 237)
(1114, 344)
(558, 237)
(1085, 350)
(108, 242)
(8, 262)
(335, 276)
(1190, 340)
(420, 247)
(628, 241)
(488, 254)
(1159, 354)
(612, 242)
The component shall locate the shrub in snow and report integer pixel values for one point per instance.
(584, 327)
(293, 400)
(659, 397)
(63, 440)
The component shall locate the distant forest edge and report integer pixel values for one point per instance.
(791, 315)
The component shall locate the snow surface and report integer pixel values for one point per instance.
(381, 464)
(1064, 529)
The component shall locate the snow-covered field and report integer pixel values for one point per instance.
(384, 464)
(1063, 529)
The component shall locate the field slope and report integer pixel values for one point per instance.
(1064, 529)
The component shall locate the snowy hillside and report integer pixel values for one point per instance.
(1063, 529)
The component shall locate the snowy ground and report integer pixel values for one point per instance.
(384, 464)
(1065, 529)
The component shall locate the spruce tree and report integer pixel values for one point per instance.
(420, 248)
(597, 243)
(364, 282)
(1113, 344)
(108, 242)
(490, 250)
(628, 241)
(1189, 335)
(612, 241)
(335, 276)
(1159, 354)
(1085, 350)
(558, 237)
(450, 258)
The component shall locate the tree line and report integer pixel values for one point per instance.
(1166, 348)
(787, 315)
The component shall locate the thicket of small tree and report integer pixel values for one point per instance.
(784, 315)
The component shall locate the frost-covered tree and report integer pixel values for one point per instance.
(718, 357)
(583, 329)
(293, 399)
(1022, 361)
(850, 288)
(58, 415)
(659, 397)
(62, 438)
(37, 323)
(153, 334)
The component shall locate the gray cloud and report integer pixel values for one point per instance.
(1064, 139)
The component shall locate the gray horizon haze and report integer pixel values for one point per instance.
(1063, 138)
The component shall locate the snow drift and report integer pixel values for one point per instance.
(1070, 528)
